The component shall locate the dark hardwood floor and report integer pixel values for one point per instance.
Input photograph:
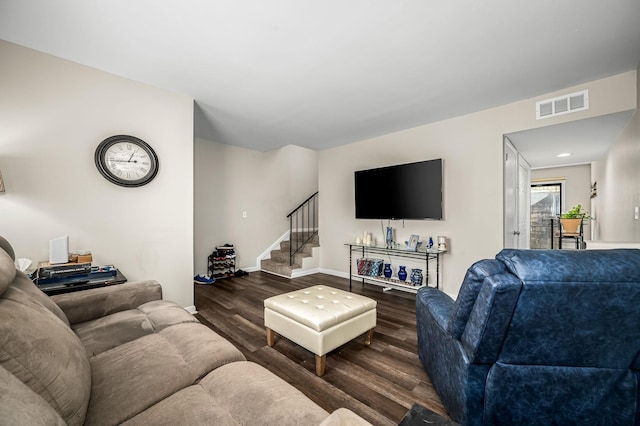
(379, 382)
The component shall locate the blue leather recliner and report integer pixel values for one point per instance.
(537, 337)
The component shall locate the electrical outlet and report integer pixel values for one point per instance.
(636, 213)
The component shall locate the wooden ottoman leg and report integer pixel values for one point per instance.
(321, 361)
(369, 338)
(270, 336)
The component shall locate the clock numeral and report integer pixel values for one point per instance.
(143, 170)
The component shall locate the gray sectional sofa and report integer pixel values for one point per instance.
(122, 355)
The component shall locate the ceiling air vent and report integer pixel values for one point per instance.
(562, 105)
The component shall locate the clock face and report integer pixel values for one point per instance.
(126, 161)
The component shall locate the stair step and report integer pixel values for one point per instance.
(283, 256)
(278, 268)
(279, 262)
(306, 248)
(301, 236)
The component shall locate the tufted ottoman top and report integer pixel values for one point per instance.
(320, 307)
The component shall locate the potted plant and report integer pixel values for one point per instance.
(572, 219)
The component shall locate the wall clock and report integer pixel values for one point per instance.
(126, 161)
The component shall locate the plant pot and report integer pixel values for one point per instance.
(571, 226)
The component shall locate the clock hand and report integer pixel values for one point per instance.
(132, 154)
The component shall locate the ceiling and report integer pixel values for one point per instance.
(319, 74)
(586, 140)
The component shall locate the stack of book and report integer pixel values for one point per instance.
(370, 267)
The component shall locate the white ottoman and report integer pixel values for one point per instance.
(319, 319)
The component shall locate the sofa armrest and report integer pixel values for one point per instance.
(438, 303)
(86, 305)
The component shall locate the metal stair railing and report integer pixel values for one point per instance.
(303, 225)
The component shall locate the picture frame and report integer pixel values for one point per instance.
(412, 244)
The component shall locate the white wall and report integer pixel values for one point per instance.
(472, 192)
(471, 147)
(266, 185)
(618, 178)
(53, 115)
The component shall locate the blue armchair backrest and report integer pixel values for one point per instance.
(576, 308)
(543, 307)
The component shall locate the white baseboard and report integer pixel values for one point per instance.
(297, 273)
(276, 274)
(191, 309)
(334, 273)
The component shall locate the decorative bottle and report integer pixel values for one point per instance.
(387, 270)
(402, 273)
(389, 237)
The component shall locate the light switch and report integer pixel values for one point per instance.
(244, 215)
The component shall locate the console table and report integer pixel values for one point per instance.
(399, 251)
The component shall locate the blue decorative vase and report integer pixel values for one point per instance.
(387, 270)
(416, 277)
(402, 273)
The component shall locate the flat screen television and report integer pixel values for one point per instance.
(404, 191)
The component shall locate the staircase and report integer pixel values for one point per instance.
(295, 258)
(304, 262)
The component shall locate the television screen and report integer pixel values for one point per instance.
(405, 191)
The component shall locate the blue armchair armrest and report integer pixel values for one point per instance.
(438, 304)
(460, 385)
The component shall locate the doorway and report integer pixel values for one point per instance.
(546, 204)
(517, 182)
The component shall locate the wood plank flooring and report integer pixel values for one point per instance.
(379, 382)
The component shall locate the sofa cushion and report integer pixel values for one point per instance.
(136, 375)
(39, 349)
(468, 294)
(113, 330)
(236, 393)
(19, 405)
(178, 409)
(250, 392)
